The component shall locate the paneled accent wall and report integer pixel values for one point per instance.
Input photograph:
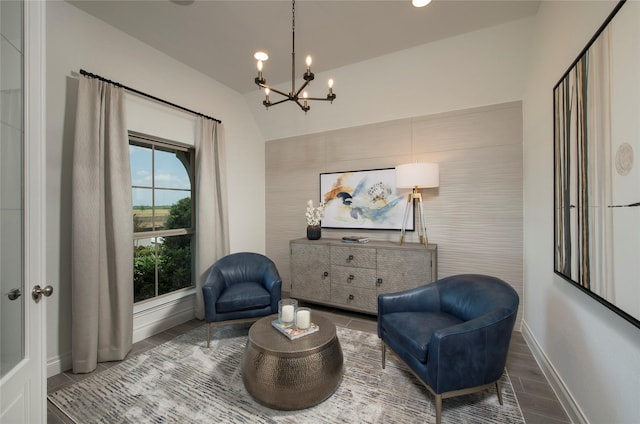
(475, 216)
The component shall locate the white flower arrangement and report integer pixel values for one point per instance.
(314, 214)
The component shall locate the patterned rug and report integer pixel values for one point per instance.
(181, 381)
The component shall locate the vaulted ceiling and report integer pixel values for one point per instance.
(218, 38)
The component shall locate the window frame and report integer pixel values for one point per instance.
(146, 141)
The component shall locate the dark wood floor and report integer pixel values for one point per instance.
(537, 400)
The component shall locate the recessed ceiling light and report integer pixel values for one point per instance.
(261, 56)
(420, 3)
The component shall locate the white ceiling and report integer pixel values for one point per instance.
(218, 38)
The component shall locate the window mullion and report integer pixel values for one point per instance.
(153, 187)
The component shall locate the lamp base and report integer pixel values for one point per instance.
(422, 229)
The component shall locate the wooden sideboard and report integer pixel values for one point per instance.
(351, 275)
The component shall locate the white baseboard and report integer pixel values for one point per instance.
(567, 401)
(146, 323)
(58, 364)
(161, 317)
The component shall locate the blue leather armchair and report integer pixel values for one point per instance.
(240, 287)
(454, 334)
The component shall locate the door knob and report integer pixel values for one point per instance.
(38, 292)
(14, 294)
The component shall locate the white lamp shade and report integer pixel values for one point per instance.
(420, 3)
(422, 175)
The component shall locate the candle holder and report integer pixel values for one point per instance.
(303, 318)
(287, 312)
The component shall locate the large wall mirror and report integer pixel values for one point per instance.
(597, 166)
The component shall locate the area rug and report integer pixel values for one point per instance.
(181, 381)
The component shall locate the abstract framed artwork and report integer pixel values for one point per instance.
(596, 185)
(364, 200)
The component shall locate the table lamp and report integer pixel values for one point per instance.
(416, 176)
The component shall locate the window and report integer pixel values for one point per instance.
(163, 217)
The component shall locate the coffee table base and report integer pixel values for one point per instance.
(294, 381)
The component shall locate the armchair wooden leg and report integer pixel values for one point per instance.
(208, 334)
(499, 389)
(438, 408)
(384, 354)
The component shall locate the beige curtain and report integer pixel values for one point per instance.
(212, 226)
(102, 228)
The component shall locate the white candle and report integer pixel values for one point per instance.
(287, 313)
(303, 319)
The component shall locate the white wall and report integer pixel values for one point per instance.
(480, 68)
(591, 354)
(75, 41)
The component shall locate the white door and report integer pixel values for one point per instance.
(22, 216)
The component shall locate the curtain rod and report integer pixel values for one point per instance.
(133, 90)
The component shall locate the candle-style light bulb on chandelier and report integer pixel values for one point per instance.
(299, 96)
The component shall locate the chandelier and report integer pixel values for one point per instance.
(299, 96)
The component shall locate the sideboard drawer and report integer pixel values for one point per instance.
(354, 297)
(353, 277)
(353, 256)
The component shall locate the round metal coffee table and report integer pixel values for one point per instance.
(291, 374)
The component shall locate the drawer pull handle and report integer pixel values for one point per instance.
(350, 297)
(351, 277)
(379, 281)
(325, 275)
(350, 258)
